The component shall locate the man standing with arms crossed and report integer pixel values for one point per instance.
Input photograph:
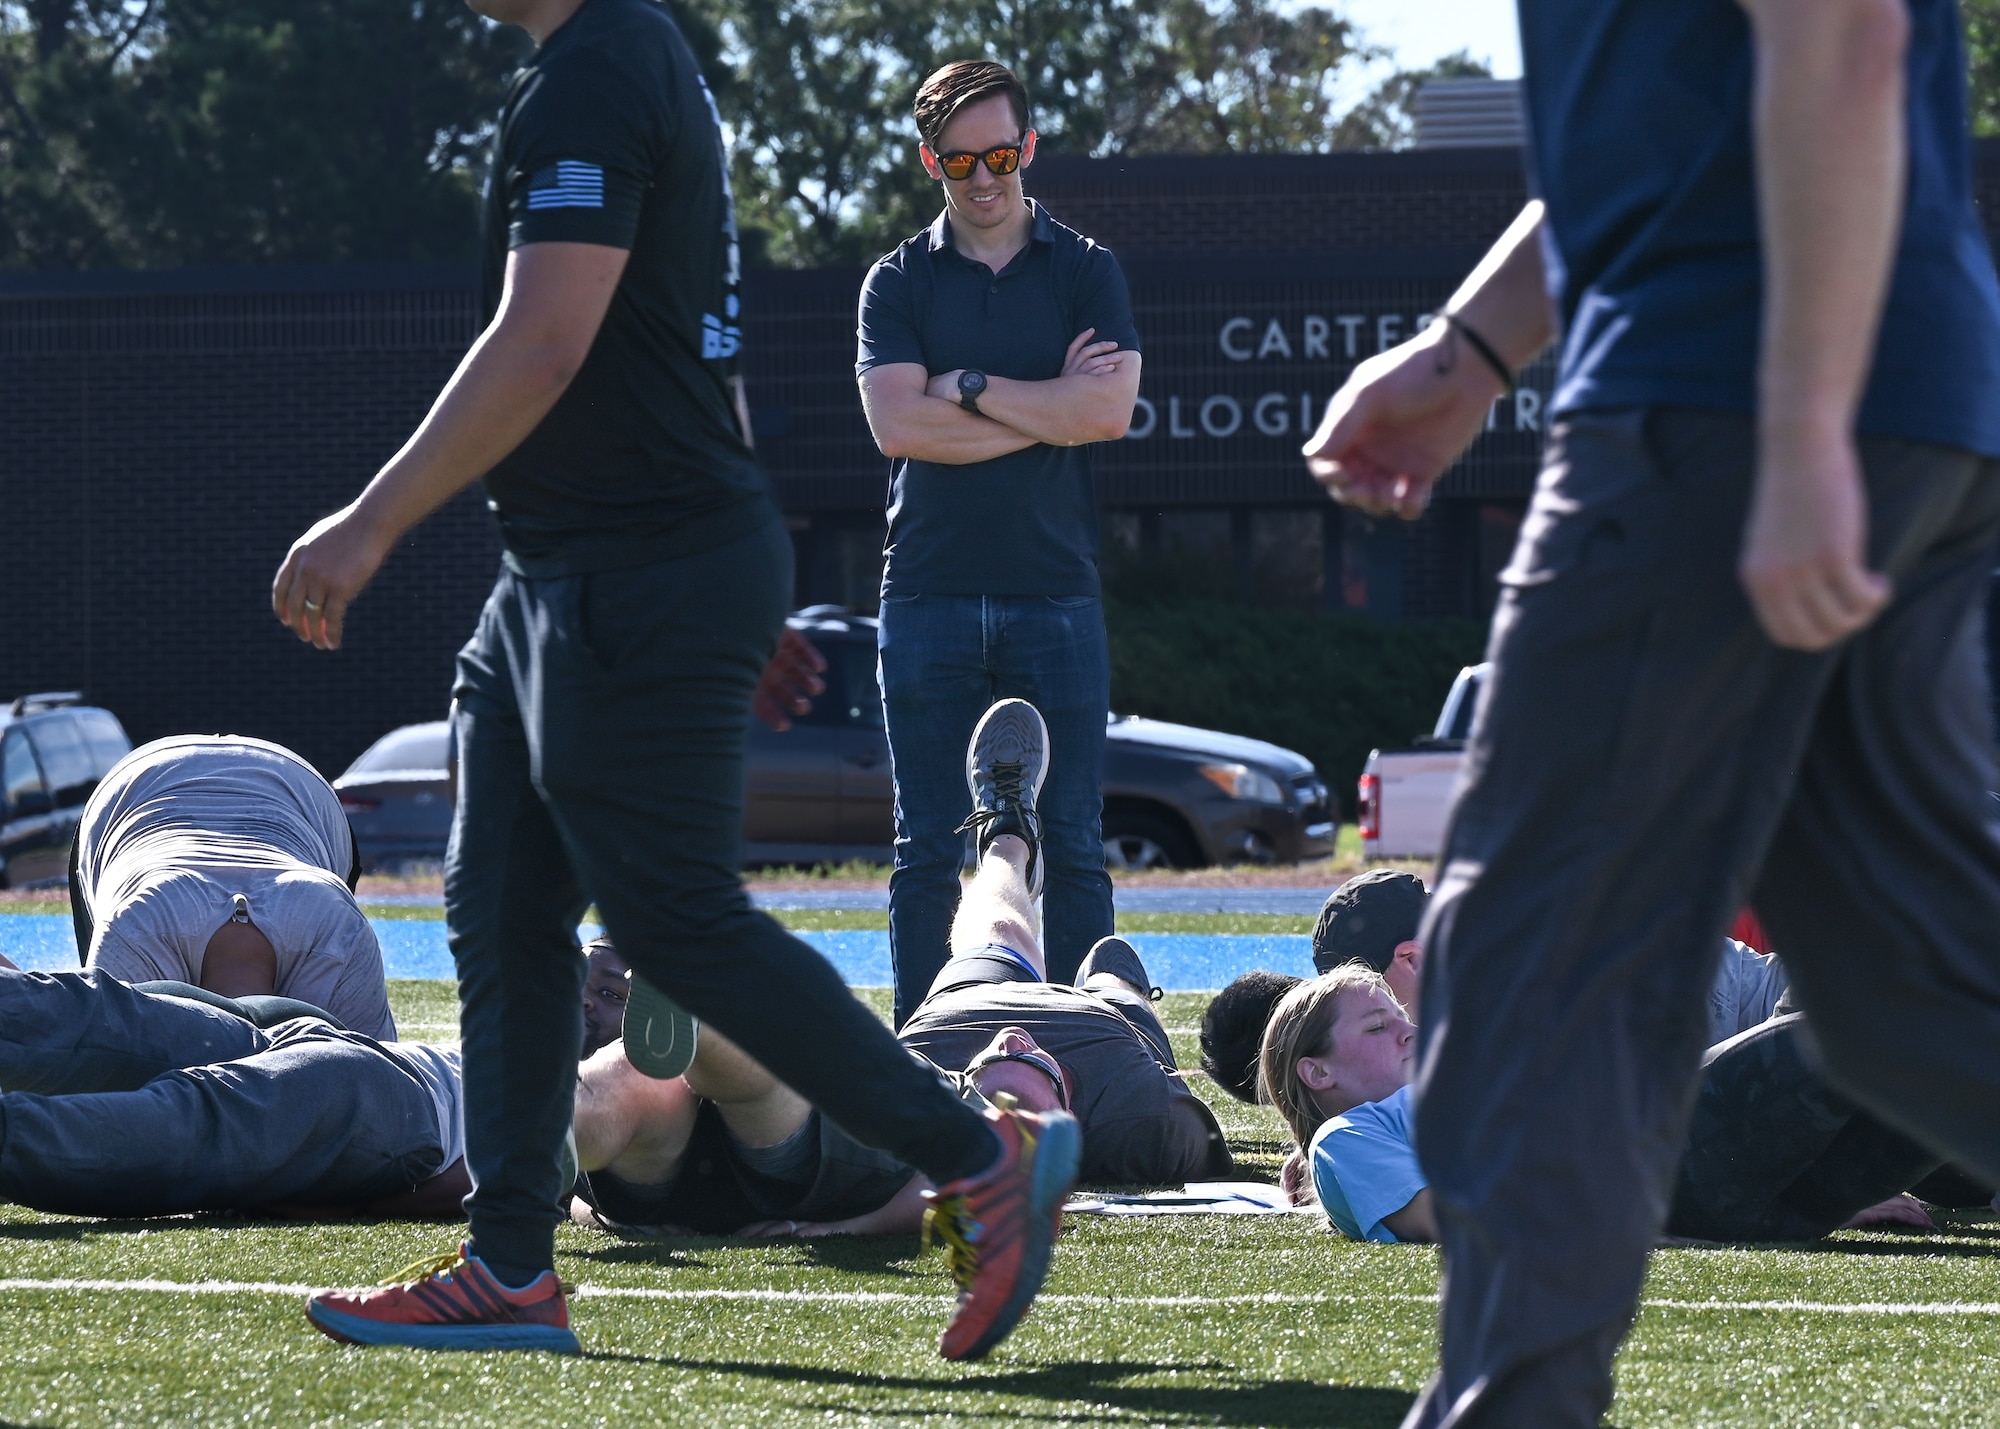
(994, 347)
(1738, 654)
(601, 704)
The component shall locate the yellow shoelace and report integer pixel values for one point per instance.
(424, 1269)
(944, 1221)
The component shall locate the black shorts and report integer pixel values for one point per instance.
(714, 1193)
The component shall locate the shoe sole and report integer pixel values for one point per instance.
(1006, 708)
(1057, 1155)
(660, 1035)
(357, 1330)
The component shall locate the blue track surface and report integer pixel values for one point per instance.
(1179, 962)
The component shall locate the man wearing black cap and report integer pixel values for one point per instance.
(1373, 919)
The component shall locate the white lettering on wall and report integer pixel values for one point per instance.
(1274, 341)
(1271, 414)
(1175, 426)
(1316, 334)
(1229, 349)
(1388, 331)
(1527, 410)
(1229, 419)
(1145, 417)
(1350, 323)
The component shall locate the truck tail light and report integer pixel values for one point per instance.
(355, 804)
(1369, 806)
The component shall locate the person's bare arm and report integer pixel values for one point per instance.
(1405, 415)
(909, 422)
(791, 681)
(435, 1198)
(1067, 411)
(1416, 1221)
(1828, 115)
(913, 414)
(902, 1214)
(555, 299)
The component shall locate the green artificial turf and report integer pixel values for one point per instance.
(1182, 1321)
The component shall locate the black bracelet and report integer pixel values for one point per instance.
(1484, 348)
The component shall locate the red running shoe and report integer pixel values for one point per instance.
(999, 1228)
(449, 1302)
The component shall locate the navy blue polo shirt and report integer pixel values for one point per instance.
(1639, 115)
(1024, 523)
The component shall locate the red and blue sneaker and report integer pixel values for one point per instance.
(999, 1228)
(449, 1302)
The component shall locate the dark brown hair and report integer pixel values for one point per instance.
(960, 83)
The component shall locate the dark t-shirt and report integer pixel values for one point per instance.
(1639, 112)
(609, 137)
(1024, 523)
(1140, 1122)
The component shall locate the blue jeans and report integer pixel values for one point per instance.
(945, 660)
(123, 1103)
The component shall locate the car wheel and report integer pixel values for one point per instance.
(1134, 841)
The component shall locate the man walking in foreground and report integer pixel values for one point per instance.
(602, 701)
(995, 346)
(1738, 656)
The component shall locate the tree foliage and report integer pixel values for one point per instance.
(1982, 47)
(156, 133)
(162, 133)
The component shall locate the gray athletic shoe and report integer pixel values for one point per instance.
(660, 1034)
(1005, 765)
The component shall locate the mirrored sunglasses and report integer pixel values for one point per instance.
(1002, 160)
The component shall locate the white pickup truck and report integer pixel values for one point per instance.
(1406, 794)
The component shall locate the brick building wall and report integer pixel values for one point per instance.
(166, 435)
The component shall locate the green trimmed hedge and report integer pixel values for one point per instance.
(1331, 687)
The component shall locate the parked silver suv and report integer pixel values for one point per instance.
(53, 750)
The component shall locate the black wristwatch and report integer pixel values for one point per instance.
(971, 383)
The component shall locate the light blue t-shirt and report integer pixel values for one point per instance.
(1364, 1166)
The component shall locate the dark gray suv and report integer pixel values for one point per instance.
(53, 750)
(821, 792)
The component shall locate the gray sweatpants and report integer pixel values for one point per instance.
(1644, 762)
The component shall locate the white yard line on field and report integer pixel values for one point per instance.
(878, 1297)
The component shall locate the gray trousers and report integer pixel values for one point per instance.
(1645, 762)
(126, 1103)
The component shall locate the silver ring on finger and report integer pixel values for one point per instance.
(314, 605)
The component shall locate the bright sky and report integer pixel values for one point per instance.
(1420, 31)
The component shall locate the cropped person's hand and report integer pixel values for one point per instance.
(323, 573)
(1399, 421)
(1903, 1210)
(1804, 559)
(790, 682)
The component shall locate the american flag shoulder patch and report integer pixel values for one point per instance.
(567, 183)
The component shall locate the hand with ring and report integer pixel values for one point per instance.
(324, 571)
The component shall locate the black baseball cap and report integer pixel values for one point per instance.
(1367, 917)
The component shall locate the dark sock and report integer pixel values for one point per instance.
(514, 1277)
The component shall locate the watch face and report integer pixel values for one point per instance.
(972, 382)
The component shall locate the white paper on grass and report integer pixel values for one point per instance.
(1197, 1198)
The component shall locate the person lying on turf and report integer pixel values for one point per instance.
(226, 863)
(725, 1147)
(123, 1102)
(1772, 1152)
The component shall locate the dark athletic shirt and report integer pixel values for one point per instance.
(609, 137)
(1140, 1123)
(1639, 112)
(1024, 523)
